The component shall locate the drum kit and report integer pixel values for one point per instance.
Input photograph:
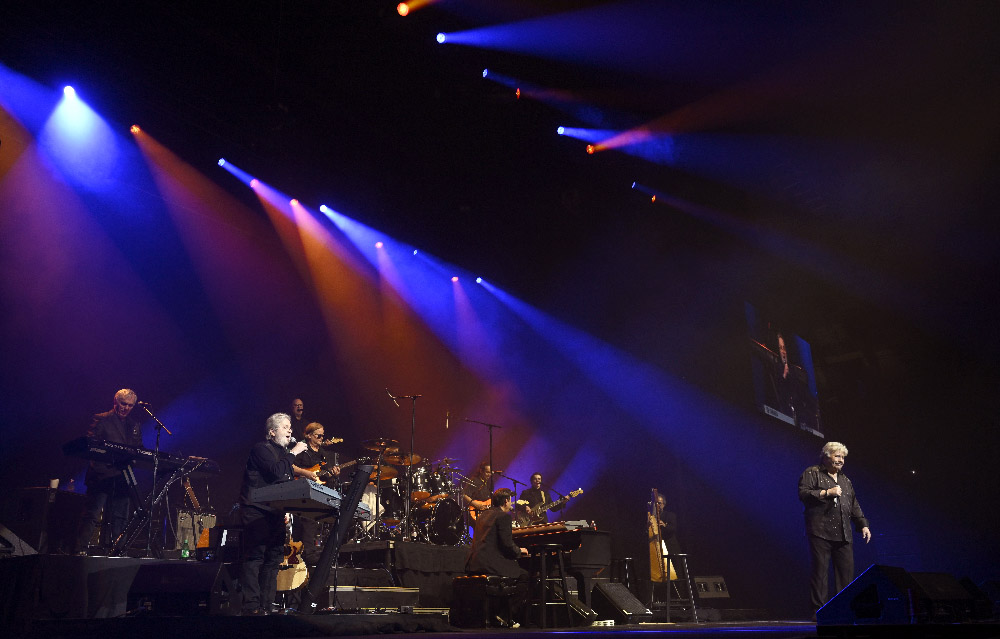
(435, 515)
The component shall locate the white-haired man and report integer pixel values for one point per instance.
(270, 462)
(107, 490)
(830, 508)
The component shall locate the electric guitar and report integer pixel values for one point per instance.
(203, 538)
(526, 515)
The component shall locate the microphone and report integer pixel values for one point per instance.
(143, 404)
(497, 472)
(447, 416)
(391, 397)
(291, 440)
(836, 501)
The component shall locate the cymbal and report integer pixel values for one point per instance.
(379, 443)
(384, 472)
(417, 495)
(447, 461)
(404, 460)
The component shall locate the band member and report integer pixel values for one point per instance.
(107, 490)
(494, 552)
(270, 462)
(662, 528)
(476, 495)
(298, 421)
(830, 508)
(305, 529)
(535, 496)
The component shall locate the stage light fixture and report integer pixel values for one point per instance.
(402, 9)
(378, 245)
(590, 149)
(454, 279)
(517, 93)
(560, 130)
(653, 199)
(324, 208)
(486, 72)
(254, 183)
(293, 202)
(69, 91)
(479, 280)
(134, 129)
(222, 161)
(633, 185)
(414, 251)
(441, 38)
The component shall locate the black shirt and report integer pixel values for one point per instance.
(268, 464)
(110, 427)
(824, 518)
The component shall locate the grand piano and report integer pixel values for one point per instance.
(588, 551)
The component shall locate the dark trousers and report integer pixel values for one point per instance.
(263, 550)
(821, 551)
(110, 496)
(307, 530)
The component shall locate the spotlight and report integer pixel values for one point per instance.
(633, 185)
(414, 251)
(378, 245)
(134, 129)
(560, 130)
(486, 72)
(454, 279)
(653, 199)
(254, 183)
(479, 280)
(402, 9)
(293, 202)
(324, 208)
(69, 91)
(517, 94)
(441, 38)
(590, 149)
(222, 161)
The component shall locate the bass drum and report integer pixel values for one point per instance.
(441, 523)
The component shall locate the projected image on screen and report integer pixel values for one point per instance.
(783, 376)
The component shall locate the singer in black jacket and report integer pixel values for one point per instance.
(830, 508)
(107, 490)
(270, 462)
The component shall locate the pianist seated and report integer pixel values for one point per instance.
(107, 490)
(494, 552)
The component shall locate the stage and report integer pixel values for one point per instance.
(73, 596)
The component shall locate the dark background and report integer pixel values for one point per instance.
(834, 166)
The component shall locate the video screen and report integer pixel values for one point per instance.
(783, 376)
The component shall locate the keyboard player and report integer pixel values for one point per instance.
(107, 490)
(270, 462)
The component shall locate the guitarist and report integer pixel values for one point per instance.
(313, 457)
(535, 496)
(476, 494)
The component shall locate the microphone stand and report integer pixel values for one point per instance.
(489, 427)
(156, 466)
(407, 524)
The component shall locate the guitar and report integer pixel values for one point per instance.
(526, 515)
(474, 512)
(292, 572)
(320, 466)
(203, 537)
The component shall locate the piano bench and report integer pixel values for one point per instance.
(479, 600)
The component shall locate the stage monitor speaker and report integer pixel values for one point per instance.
(186, 588)
(612, 600)
(13, 546)
(711, 588)
(891, 595)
